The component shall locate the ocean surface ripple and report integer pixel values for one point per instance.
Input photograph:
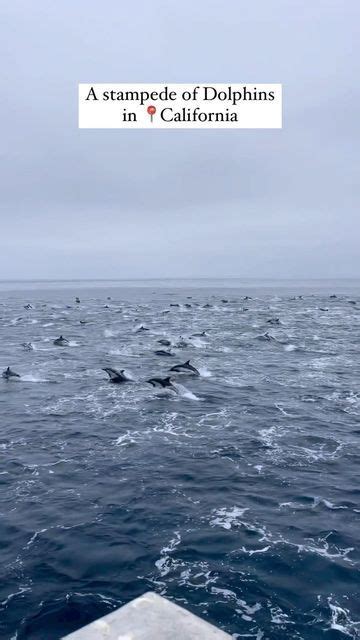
(237, 496)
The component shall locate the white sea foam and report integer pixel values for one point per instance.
(271, 435)
(198, 343)
(284, 412)
(215, 419)
(318, 500)
(110, 333)
(184, 392)
(126, 439)
(227, 517)
(251, 552)
(204, 372)
(279, 617)
(165, 563)
(197, 576)
(31, 378)
(11, 596)
(341, 621)
(290, 347)
(241, 606)
(322, 548)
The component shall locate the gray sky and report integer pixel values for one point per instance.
(121, 204)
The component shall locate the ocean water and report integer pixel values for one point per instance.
(237, 496)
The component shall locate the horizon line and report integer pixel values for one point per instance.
(291, 279)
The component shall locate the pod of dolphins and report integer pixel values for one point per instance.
(119, 377)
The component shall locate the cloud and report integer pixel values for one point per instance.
(110, 203)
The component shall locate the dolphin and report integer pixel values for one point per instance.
(273, 321)
(8, 373)
(200, 334)
(267, 336)
(165, 342)
(61, 342)
(185, 368)
(162, 383)
(117, 377)
(141, 328)
(163, 352)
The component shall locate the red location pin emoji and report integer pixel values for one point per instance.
(151, 111)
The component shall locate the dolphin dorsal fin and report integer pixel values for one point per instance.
(187, 362)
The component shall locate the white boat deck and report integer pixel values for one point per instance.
(149, 617)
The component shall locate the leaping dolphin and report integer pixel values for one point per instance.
(162, 383)
(8, 373)
(185, 368)
(117, 377)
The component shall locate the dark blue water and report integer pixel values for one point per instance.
(237, 497)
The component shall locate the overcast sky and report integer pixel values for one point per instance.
(121, 204)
